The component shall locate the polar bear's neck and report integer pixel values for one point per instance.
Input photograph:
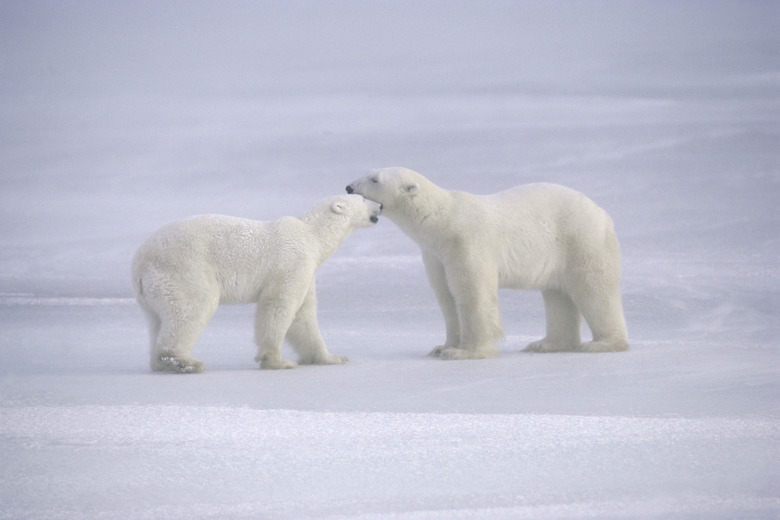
(424, 218)
(327, 233)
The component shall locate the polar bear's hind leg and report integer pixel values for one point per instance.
(603, 312)
(177, 335)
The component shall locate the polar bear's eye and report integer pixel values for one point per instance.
(375, 179)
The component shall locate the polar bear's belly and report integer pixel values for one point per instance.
(241, 276)
(528, 264)
(235, 289)
(527, 279)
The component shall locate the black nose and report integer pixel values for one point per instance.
(349, 189)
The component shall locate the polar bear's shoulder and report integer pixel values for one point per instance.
(211, 222)
(543, 194)
(216, 223)
(290, 223)
(540, 190)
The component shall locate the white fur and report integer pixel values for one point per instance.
(187, 268)
(537, 236)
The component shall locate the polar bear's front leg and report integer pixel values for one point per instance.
(474, 287)
(273, 317)
(304, 334)
(438, 281)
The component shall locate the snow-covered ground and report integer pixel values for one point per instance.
(116, 118)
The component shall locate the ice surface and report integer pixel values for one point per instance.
(117, 118)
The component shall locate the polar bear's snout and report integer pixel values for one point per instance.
(374, 212)
(351, 190)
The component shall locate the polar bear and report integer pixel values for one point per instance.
(187, 268)
(537, 236)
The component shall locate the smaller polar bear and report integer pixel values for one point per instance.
(187, 268)
(537, 236)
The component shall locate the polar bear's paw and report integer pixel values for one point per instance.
(546, 346)
(436, 352)
(168, 362)
(453, 353)
(605, 346)
(327, 359)
(278, 364)
(275, 363)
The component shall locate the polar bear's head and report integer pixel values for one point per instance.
(354, 209)
(394, 187)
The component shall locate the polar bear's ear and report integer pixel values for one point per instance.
(338, 207)
(411, 188)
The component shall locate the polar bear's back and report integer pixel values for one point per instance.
(549, 205)
(234, 253)
(541, 229)
(207, 236)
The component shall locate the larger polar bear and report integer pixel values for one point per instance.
(187, 268)
(537, 236)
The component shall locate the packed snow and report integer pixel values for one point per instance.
(116, 118)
